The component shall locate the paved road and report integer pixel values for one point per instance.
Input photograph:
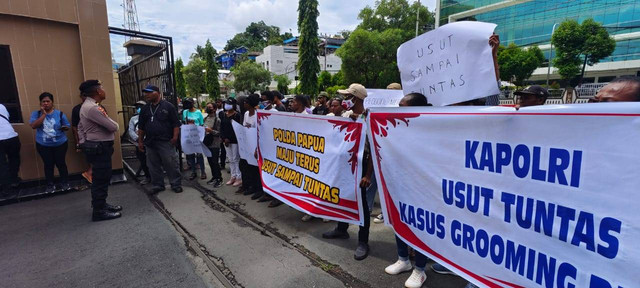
(51, 242)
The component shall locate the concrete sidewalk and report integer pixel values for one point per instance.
(286, 222)
(52, 242)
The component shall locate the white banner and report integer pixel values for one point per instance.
(382, 98)
(191, 137)
(313, 163)
(541, 197)
(450, 64)
(247, 142)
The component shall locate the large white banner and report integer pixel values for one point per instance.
(247, 142)
(541, 197)
(191, 137)
(450, 64)
(313, 163)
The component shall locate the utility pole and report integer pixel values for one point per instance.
(418, 17)
(550, 54)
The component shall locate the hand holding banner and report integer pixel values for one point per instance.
(313, 163)
(450, 64)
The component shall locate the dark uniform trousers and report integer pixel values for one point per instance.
(101, 165)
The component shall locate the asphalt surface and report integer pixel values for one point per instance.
(52, 242)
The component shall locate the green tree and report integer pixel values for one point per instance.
(324, 80)
(338, 78)
(250, 76)
(579, 45)
(308, 63)
(180, 83)
(333, 90)
(212, 83)
(517, 64)
(257, 36)
(194, 77)
(396, 14)
(283, 83)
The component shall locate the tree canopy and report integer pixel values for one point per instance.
(180, 83)
(308, 63)
(194, 77)
(396, 14)
(579, 45)
(283, 83)
(211, 77)
(517, 64)
(250, 76)
(257, 36)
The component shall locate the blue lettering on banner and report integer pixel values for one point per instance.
(525, 161)
(543, 216)
(462, 195)
(422, 219)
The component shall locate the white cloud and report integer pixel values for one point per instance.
(192, 22)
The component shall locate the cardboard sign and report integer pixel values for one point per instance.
(450, 64)
(247, 142)
(382, 98)
(191, 137)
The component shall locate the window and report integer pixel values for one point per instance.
(9, 96)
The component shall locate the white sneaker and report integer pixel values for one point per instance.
(306, 218)
(416, 279)
(379, 219)
(398, 267)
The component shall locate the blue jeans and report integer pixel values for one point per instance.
(371, 192)
(191, 160)
(403, 254)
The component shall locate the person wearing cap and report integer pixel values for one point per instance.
(354, 101)
(75, 120)
(158, 132)
(230, 141)
(96, 132)
(321, 106)
(133, 138)
(9, 153)
(531, 96)
(394, 86)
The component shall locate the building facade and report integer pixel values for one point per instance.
(531, 22)
(53, 46)
(282, 60)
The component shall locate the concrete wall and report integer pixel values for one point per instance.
(276, 60)
(55, 45)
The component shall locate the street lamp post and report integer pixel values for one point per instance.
(550, 54)
(417, 18)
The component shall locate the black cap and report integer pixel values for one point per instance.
(151, 88)
(86, 85)
(534, 90)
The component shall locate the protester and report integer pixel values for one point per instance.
(531, 96)
(335, 107)
(621, 89)
(253, 185)
(354, 101)
(133, 138)
(307, 105)
(321, 107)
(299, 104)
(212, 141)
(274, 98)
(158, 132)
(394, 86)
(9, 153)
(403, 264)
(230, 141)
(223, 152)
(75, 120)
(96, 133)
(51, 141)
(191, 115)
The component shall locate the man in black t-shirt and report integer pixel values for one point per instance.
(321, 107)
(158, 132)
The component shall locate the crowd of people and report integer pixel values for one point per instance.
(156, 130)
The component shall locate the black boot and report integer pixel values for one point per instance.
(257, 195)
(104, 214)
(112, 208)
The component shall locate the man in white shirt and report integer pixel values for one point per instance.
(9, 152)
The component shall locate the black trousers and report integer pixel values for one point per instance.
(102, 170)
(9, 161)
(54, 156)
(142, 158)
(363, 232)
(213, 163)
(223, 156)
(254, 178)
(246, 178)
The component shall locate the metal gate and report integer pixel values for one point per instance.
(156, 67)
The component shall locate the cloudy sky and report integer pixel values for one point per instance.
(192, 22)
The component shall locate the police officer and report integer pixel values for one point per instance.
(96, 134)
